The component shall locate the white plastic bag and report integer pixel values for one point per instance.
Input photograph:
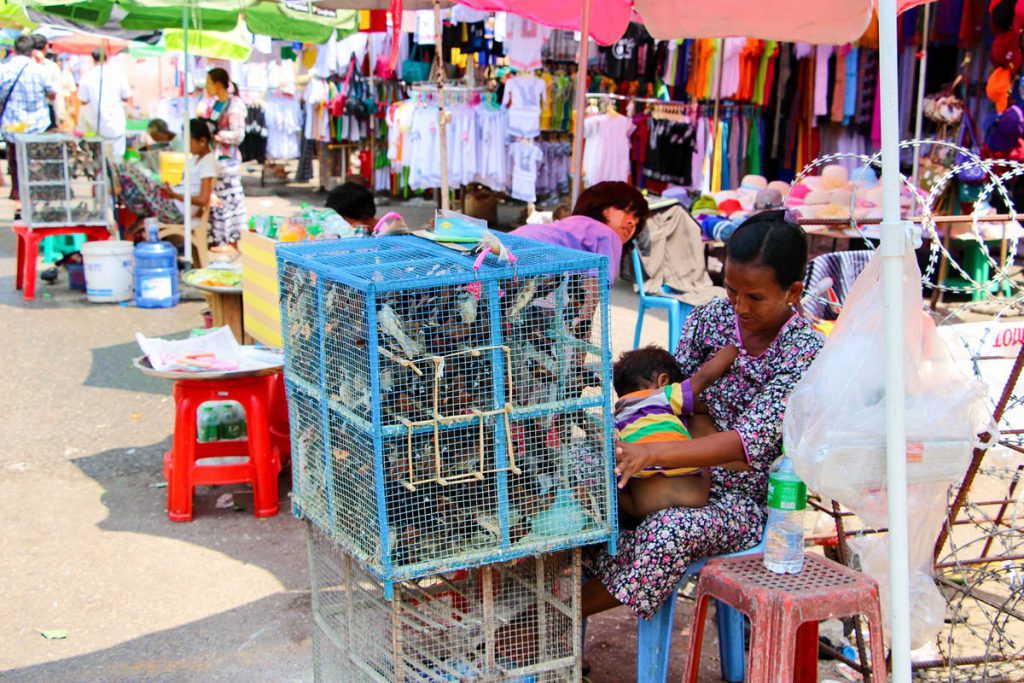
(834, 427)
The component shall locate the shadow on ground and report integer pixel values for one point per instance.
(271, 634)
(136, 499)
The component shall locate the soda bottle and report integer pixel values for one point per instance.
(208, 424)
(784, 533)
(230, 421)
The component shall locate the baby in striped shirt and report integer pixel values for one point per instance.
(654, 400)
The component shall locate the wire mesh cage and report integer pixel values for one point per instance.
(516, 621)
(61, 180)
(444, 417)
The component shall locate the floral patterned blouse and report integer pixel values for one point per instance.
(230, 118)
(751, 397)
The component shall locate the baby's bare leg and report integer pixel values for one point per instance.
(659, 492)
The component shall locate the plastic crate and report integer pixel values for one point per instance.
(444, 417)
(57, 247)
(62, 181)
(515, 622)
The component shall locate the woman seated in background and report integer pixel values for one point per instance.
(354, 203)
(603, 221)
(146, 197)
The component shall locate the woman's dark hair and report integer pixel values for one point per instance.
(219, 75)
(594, 200)
(642, 365)
(769, 239)
(352, 200)
(199, 129)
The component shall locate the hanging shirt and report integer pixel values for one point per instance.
(526, 158)
(524, 96)
(621, 57)
(606, 154)
(525, 41)
(821, 59)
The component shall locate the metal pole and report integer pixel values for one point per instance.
(581, 103)
(442, 115)
(185, 137)
(893, 247)
(922, 71)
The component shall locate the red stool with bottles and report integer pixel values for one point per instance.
(781, 607)
(183, 464)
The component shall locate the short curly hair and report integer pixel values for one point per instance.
(593, 201)
(635, 367)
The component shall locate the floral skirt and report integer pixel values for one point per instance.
(227, 217)
(653, 557)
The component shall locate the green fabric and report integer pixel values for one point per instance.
(232, 44)
(753, 155)
(13, 16)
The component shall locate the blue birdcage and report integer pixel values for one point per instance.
(444, 416)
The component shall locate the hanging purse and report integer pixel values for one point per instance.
(944, 108)
(972, 174)
(414, 70)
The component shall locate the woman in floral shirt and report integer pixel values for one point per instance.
(227, 216)
(742, 433)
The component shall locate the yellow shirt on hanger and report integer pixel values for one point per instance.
(545, 105)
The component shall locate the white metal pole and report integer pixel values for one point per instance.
(442, 114)
(581, 103)
(922, 71)
(894, 244)
(186, 136)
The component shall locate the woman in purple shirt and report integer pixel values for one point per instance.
(605, 218)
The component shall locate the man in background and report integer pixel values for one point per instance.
(104, 92)
(25, 95)
(62, 80)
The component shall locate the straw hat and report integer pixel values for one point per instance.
(835, 177)
(753, 182)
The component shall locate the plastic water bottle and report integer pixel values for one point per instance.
(152, 229)
(208, 424)
(787, 498)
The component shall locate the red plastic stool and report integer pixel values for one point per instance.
(780, 606)
(28, 250)
(183, 466)
(280, 429)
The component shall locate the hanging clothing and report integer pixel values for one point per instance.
(525, 40)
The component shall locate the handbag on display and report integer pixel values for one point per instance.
(414, 70)
(943, 108)
(975, 173)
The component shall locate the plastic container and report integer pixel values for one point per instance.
(172, 167)
(108, 270)
(207, 424)
(232, 422)
(784, 533)
(156, 275)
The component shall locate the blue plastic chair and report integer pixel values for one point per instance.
(654, 635)
(677, 310)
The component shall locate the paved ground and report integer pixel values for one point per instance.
(87, 547)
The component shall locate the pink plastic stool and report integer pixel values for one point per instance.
(183, 464)
(28, 250)
(780, 607)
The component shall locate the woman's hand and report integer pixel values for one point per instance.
(631, 458)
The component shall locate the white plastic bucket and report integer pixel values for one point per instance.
(109, 267)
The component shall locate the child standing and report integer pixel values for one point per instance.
(654, 397)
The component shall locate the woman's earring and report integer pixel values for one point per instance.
(793, 308)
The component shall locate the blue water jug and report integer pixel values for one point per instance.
(156, 275)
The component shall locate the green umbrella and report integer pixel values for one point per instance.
(288, 20)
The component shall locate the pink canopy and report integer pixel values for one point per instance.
(809, 21)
